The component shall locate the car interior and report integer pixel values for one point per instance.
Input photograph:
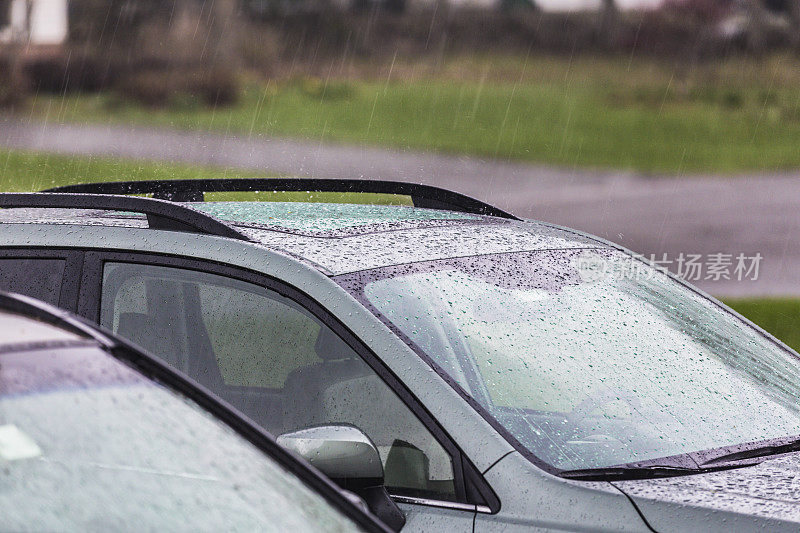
(273, 361)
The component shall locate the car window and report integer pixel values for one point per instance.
(274, 361)
(34, 277)
(87, 443)
(588, 358)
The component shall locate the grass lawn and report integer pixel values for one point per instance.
(725, 117)
(32, 171)
(779, 316)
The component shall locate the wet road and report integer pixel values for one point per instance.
(682, 217)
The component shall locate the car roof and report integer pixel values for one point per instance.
(19, 332)
(340, 238)
(27, 323)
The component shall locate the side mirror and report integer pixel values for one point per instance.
(347, 456)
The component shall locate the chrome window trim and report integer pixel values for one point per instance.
(441, 504)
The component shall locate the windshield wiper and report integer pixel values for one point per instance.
(738, 456)
(777, 447)
(624, 472)
(634, 471)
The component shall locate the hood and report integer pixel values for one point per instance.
(764, 497)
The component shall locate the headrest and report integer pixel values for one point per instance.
(134, 325)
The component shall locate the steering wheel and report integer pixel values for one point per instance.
(604, 397)
(594, 402)
(599, 399)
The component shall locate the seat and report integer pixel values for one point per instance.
(306, 387)
(343, 389)
(158, 337)
(145, 331)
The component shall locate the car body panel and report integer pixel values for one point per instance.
(419, 518)
(371, 250)
(457, 418)
(765, 497)
(534, 500)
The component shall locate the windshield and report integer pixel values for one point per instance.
(588, 358)
(87, 443)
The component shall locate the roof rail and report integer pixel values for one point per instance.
(160, 214)
(192, 190)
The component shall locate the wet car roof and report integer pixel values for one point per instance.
(16, 330)
(344, 238)
(383, 248)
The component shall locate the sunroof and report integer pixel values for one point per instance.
(311, 196)
(321, 217)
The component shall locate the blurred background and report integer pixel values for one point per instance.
(669, 126)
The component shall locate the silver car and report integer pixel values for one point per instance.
(510, 374)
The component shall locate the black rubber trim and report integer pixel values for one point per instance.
(192, 190)
(500, 459)
(161, 214)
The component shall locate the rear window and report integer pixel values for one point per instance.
(34, 277)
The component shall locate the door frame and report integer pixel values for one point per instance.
(470, 485)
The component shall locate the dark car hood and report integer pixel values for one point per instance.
(765, 496)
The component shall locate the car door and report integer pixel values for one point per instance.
(280, 359)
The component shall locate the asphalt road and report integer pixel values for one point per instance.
(701, 216)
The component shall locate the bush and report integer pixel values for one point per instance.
(259, 47)
(181, 87)
(84, 70)
(217, 87)
(147, 87)
(11, 97)
(13, 89)
(152, 52)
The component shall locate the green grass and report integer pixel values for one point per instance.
(34, 171)
(779, 316)
(725, 117)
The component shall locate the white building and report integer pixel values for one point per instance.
(34, 22)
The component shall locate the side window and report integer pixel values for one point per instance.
(38, 278)
(273, 360)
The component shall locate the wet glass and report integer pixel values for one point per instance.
(274, 361)
(87, 443)
(34, 277)
(589, 358)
